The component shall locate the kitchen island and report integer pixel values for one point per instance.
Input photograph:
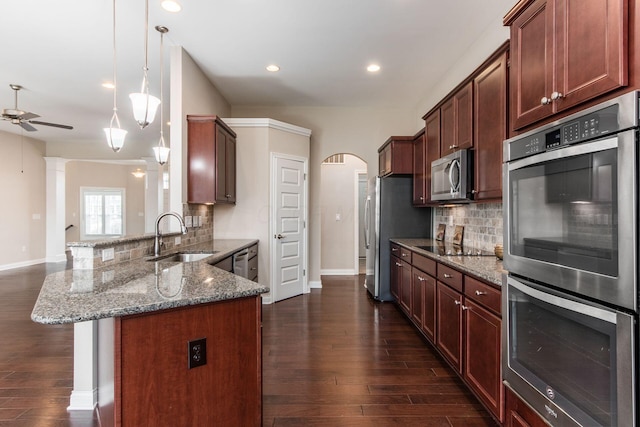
(178, 343)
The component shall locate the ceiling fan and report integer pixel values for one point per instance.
(24, 118)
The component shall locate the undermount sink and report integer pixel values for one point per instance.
(184, 257)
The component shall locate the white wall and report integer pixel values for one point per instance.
(338, 197)
(22, 190)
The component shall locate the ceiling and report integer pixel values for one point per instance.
(61, 52)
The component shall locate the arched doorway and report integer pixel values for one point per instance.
(343, 190)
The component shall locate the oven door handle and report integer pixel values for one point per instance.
(560, 302)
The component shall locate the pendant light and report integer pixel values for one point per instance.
(161, 151)
(145, 105)
(115, 135)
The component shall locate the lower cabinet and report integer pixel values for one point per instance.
(519, 414)
(460, 316)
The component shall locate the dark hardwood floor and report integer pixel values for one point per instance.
(331, 358)
(335, 357)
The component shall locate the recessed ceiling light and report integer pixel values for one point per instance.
(373, 68)
(273, 68)
(108, 85)
(171, 6)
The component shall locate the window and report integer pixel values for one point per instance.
(102, 212)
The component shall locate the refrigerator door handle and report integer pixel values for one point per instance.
(367, 221)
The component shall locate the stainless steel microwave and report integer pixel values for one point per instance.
(451, 177)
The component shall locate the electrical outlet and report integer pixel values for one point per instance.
(108, 254)
(197, 353)
(178, 240)
(188, 221)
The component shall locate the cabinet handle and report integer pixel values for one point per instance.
(545, 101)
(404, 255)
(394, 249)
(474, 191)
(465, 308)
(456, 302)
(421, 198)
(448, 276)
(556, 95)
(480, 293)
(253, 268)
(228, 196)
(422, 279)
(453, 147)
(398, 264)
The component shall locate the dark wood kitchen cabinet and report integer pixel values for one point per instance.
(449, 323)
(395, 156)
(564, 53)
(211, 160)
(432, 147)
(490, 127)
(456, 121)
(226, 390)
(519, 414)
(395, 272)
(424, 271)
(419, 169)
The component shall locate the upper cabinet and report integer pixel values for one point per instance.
(419, 169)
(564, 53)
(473, 116)
(456, 116)
(395, 156)
(490, 127)
(211, 161)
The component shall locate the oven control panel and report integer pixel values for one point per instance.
(576, 131)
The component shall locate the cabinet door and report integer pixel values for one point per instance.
(405, 287)
(457, 121)
(432, 139)
(230, 169)
(482, 369)
(532, 64)
(419, 170)
(382, 162)
(221, 164)
(582, 73)
(429, 307)
(395, 277)
(519, 414)
(449, 325)
(201, 187)
(417, 296)
(490, 127)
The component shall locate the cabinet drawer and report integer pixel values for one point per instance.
(425, 264)
(395, 250)
(405, 255)
(482, 293)
(253, 268)
(450, 277)
(253, 251)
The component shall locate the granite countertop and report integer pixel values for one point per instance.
(142, 286)
(487, 268)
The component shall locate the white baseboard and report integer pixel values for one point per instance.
(345, 272)
(22, 264)
(83, 400)
(315, 284)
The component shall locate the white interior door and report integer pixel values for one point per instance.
(289, 227)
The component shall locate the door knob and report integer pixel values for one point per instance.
(279, 236)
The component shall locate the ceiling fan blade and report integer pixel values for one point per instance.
(28, 116)
(26, 126)
(55, 125)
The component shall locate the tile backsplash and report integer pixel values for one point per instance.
(482, 223)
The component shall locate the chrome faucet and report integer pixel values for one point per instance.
(158, 241)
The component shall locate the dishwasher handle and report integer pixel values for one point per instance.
(241, 263)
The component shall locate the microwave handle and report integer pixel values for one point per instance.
(454, 164)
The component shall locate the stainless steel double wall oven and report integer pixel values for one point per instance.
(571, 240)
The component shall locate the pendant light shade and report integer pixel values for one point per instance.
(161, 151)
(144, 105)
(115, 135)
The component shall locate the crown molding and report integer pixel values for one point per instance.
(267, 123)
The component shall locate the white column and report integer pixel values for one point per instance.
(84, 395)
(152, 194)
(177, 156)
(55, 189)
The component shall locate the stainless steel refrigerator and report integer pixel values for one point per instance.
(389, 213)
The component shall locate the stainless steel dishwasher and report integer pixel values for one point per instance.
(241, 263)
